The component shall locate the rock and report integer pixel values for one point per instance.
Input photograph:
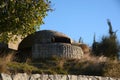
(57, 77)
(73, 77)
(82, 78)
(5, 77)
(24, 76)
(20, 76)
(35, 77)
(44, 77)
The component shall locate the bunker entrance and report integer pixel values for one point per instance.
(61, 40)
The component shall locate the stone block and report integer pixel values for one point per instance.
(44, 77)
(57, 77)
(4, 76)
(80, 77)
(74, 77)
(20, 76)
(24, 76)
(35, 77)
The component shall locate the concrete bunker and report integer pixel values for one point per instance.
(46, 43)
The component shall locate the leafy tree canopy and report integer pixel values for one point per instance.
(21, 17)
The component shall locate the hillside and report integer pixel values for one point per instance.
(89, 65)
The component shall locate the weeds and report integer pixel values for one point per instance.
(89, 65)
(112, 68)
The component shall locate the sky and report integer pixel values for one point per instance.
(83, 18)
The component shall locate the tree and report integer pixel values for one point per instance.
(21, 17)
(95, 46)
(80, 40)
(110, 28)
(108, 46)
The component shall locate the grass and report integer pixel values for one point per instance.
(4, 60)
(15, 67)
(89, 65)
(112, 68)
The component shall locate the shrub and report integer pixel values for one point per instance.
(108, 46)
(112, 69)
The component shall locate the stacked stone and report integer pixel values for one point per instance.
(24, 76)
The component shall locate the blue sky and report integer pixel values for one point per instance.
(83, 18)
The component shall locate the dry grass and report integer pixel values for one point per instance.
(112, 68)
(88, 65)
(4, 61)
(96, 59)
(7, 65)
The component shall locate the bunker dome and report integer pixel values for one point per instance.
(48, 43)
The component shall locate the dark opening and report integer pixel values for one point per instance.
(61, 40)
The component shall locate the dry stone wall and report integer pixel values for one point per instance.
(57, 49)
(24, 76)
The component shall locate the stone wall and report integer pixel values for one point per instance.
(24, 76)
(57, 49)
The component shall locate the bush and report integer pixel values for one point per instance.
(108, 46)
(112, 69)
(89, 65)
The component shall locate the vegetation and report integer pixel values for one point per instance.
(108, 46)
(21, 17)
(112, 68)
(89, 65)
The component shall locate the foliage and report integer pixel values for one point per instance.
(71, 66)
(21, 67)
(90, 65)
(112, 69)
(21, 17)
(108, 46)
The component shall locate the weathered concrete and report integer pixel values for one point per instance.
(24, 76)
(57, 49)
(47, 43)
